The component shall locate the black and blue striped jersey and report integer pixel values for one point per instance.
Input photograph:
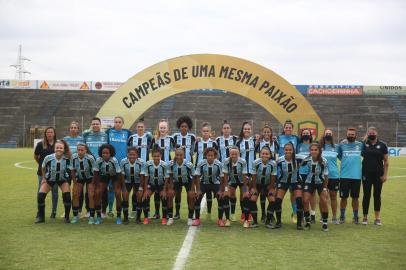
(181, 173)
(142, 143)
(56, 170)
(316, 171)
(107, 169)
(273, 145)
(167, 145)
(209, 173)
(187, 142)
(201, 146)
(156, 175)
(132, 171)
(264, 172)
(235, 171)
(288, 171)
(247, 151)
(224, 145)
(83, 167)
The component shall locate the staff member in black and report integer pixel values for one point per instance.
(374, 172)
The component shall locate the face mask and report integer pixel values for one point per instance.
(328, 137)
(371, 137)
(351, 139)
(306, 137)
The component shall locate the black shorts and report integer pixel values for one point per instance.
(59, 183)
(311, 187)
(291, 186)
(206, 188)
(84, 181)
(177, 186)
(132, 186)
(264, 189)
(349, 187)
(333, 184)
(156, 189)
(236, 184)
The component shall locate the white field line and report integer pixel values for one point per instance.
(19, 165)
(184, 251)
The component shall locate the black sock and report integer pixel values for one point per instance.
(262, 199)
(75, 210)
(178, 199)
(81, 200)
(41, 204)
(118, 209)
(226, 207)
(98, 210)
(209, 200)
(105, 201)
(197, 208)
(233, 202)
(270, 210)
(157, 201)
(299, 213)
(164, 208)
(170, 212)
(67, 203)
(124, 204)
(307, 216)
(220, 208)
(254, 211)
(324, 216)
(91, 212)
(87, 201)
(246, 206)
(146, 207)
(190, 213)
(278, 210)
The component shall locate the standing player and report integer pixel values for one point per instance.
(184, 138)
(266, 139)
(330, 154)
(349, 152)
(117, 137)
(316, 179)
(82, 174)
(225, 141)
(157, 178)
(44, 148)
(288, 178)
(263, 182)
(286, 137)
(208, 178)
(106, 169)
(133, 177)
(55, 171)
(181, 173)
(235, 175)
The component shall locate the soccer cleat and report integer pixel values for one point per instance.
(164, 221)
(170, 222)
(270, 226)
(176, 216)
(249, 217)
(299, 226)
(263, 219)
(118, 221)
(75, 220)
(189, 222)
(133, 214)
(227, 223)
(156, 216)
(246, 224)
(307, 226)
(365, 221)
(335, 221)
(67, 220)
(313, 219)
(294, 218)
(39, 220)
(53, 215)
(342, 220)
(233, 217)
(378, 222)
(220, 223)
(254, 225)
(146, 221)
(91, 221)
(242, 217)
(324, 227)
(278, 225)
(103, 215)
(110, 214)
(125, 221)
(355, 220)
(98, 221)
(138, 221)
(196, 222)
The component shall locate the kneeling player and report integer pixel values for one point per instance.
(263, 183)
(317, 179)
(208, 178)
(157, 179)
(82, 173)
(132, 176)
(181, 173)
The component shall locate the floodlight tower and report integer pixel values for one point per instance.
(19, 66)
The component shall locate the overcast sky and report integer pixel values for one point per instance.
(306, 42)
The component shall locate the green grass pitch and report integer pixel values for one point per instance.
(55, 245)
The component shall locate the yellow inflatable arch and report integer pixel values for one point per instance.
(212, 71)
